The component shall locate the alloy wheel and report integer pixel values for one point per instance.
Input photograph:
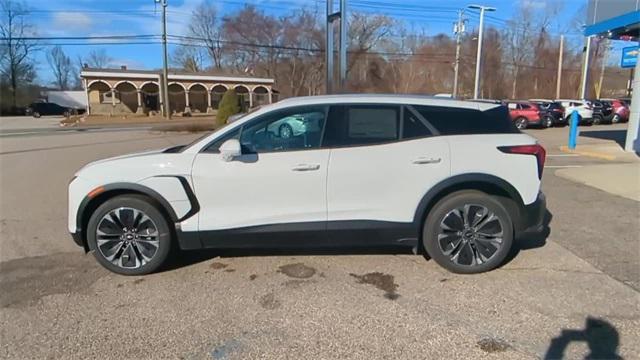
(127, 237)
(521, 123)
(470, 235)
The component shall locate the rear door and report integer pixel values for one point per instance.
(383, 159)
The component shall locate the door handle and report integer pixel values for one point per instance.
(306, 167)
(425, 160)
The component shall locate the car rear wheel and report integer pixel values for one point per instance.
(129, 235)
(36, 114)
(547, 121)
(597, 120)
(468, 232)
(285, 131)
(615, 119)
(521, 123)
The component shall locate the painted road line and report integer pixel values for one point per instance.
(562, 166)
(562, 155)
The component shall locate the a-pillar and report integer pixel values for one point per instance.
(187, 108)
(209, 108)
(140, 109)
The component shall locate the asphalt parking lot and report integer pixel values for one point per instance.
(571, 292)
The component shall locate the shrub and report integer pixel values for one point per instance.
(229, 105)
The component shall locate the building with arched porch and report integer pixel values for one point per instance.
(122, 91)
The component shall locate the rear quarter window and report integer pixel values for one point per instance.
(459, 121)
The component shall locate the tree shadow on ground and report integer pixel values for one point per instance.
(601, 337)
(618, 136)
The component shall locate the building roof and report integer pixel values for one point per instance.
(173, 75)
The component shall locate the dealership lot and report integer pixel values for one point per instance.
(574, 291)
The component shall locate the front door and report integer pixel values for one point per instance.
(278, 184)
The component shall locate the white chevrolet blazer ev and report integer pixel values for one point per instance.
(454, 180)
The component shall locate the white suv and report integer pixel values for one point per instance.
(583, 107)
(454, 180)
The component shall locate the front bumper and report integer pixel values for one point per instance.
(77, 237)
(534, 214)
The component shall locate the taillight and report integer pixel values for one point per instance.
(536, 150)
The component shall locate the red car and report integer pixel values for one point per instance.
(620, 110)
(524, 114)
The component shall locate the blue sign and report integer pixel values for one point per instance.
(629, 56)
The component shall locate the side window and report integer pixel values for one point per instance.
(525, 106)
(461, 121)
(412, 127)
(362, 125)
(290, 129)
(214, 147)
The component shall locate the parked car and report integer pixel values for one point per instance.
(583, 107)
(38, 109)
(620, 110)
(602, 112)
(454, 179)
(552, 112)
(524, 114)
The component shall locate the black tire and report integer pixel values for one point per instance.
(36, 114)
(597, 120)
(615, 119)
(521, 123)
(148, 207)
(285, 131)
(444, 208)
(547, 121)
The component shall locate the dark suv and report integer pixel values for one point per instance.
(38, 109)
(551, 113)
(602, 112)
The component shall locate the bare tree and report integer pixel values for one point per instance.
(189, 58)
(99, 59)
(16, 64)
(61, 67)
(204, 27)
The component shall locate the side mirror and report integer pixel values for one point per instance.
(230, 149)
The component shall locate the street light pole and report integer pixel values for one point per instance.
(476, 87)
(165, 60)
(458, 29)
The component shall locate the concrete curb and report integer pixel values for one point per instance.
(593, 154)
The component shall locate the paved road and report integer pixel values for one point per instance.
(12, 123)
(577, 283)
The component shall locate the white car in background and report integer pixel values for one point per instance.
(583, 107)
(452, 179)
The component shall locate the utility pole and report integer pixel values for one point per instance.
(605, 52)
(165, 60)
(343, 45)
(342, 52)
(458, 30)
(329, 47)
(584, 88)
(476, 88)
(559, 77)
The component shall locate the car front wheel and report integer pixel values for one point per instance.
(547, 121)
(36, 114)
(468, 232)
(129, 235)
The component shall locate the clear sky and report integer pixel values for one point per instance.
(69, 18)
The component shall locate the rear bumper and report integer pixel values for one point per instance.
(533, 215)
